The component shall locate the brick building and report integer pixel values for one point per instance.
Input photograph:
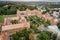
(10, 28)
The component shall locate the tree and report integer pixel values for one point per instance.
(43, 36)
(58, 24)
(31, 36)
(35, 20)
(11, 9)
(46, 23)
(21, 34)
(15, 37)
(14, 21)
(54, 36)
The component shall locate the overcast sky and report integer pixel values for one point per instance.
(33, 0)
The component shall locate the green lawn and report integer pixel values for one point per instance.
(5, 16)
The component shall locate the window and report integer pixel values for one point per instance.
(10, 37)
(22, 13)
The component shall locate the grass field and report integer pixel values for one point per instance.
(5, 16)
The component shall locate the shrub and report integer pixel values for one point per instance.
(43, 36)
(54, 36)
(22, 33)
(58, 24)
(14, 21)
(31, 36)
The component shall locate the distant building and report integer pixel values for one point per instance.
(55, 14)
(53, 28)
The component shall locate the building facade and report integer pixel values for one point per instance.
(8, 28)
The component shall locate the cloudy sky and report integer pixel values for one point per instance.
(33, 0)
